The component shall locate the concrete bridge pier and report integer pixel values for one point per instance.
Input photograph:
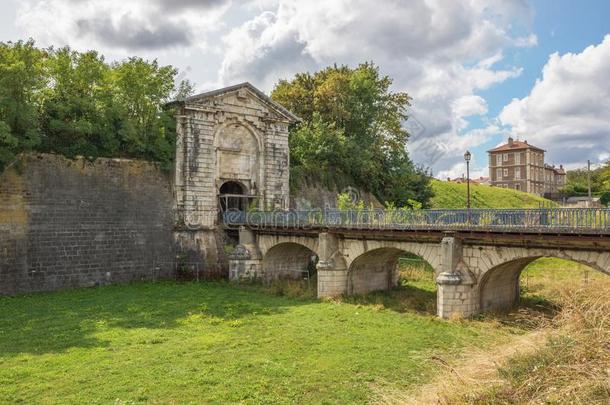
(456, 293)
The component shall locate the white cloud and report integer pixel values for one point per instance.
(530, 40)
(442, 53)
(568, 110)
(122, 26)
(459, 170)
(467, 106)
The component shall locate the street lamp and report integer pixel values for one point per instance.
(467, 157)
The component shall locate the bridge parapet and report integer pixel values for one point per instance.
(543, 220)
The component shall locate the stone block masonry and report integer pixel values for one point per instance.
(75, 223)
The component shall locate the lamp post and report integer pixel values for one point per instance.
(467, 157)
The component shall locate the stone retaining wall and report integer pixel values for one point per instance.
(74, 223)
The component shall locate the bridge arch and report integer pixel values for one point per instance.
(289, 260)
(376, 269)
(499, 287)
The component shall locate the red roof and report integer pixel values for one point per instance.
(514, 145)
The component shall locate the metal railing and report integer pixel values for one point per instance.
(546, 220)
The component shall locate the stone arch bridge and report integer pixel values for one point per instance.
(477, 262)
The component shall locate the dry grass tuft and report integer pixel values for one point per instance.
(563, 358)
(462, 378)
(574, 364)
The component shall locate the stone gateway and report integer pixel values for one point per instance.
(231, 154)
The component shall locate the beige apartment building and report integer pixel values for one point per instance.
(520, 166)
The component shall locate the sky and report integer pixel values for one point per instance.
(477, 71)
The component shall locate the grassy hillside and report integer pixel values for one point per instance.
(453, 195)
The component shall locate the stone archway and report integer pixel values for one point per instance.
(499, 288)
(289, 260)
(376, 270)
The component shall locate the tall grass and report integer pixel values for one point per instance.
(574, 364)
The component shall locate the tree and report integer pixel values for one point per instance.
(75, 103)
(605, 177)
(79, 116)
(22, 80)
(604, 199)
(577, 183)
(141, 88)
(352, 127)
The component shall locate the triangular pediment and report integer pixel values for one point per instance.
(244, 90)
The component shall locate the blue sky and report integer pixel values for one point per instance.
(560, 26)
(478, 70)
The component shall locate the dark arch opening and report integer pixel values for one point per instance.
(374, 270)
(290, 261)
(232, 196)
(409, 277)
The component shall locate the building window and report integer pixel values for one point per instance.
(498, 174)
(517, 158)
(505, 172)
(517, 173)
(498, 160)
(505, 157)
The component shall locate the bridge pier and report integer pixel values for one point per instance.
(456, 293)
(245, 262)
(331, 267)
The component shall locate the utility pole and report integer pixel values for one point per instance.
(467, 157)
(589, 180)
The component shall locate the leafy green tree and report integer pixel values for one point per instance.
(605, 177)
(22, 80)
(577, 183)
(79, 116)
(352, 126)
(75, 103)
(604, 199)
(141, 88)
(315, 144)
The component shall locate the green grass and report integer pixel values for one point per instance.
(454, 195)
(218, 343)
(545, 276)
(210, 342)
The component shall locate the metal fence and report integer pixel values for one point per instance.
(546, 220)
